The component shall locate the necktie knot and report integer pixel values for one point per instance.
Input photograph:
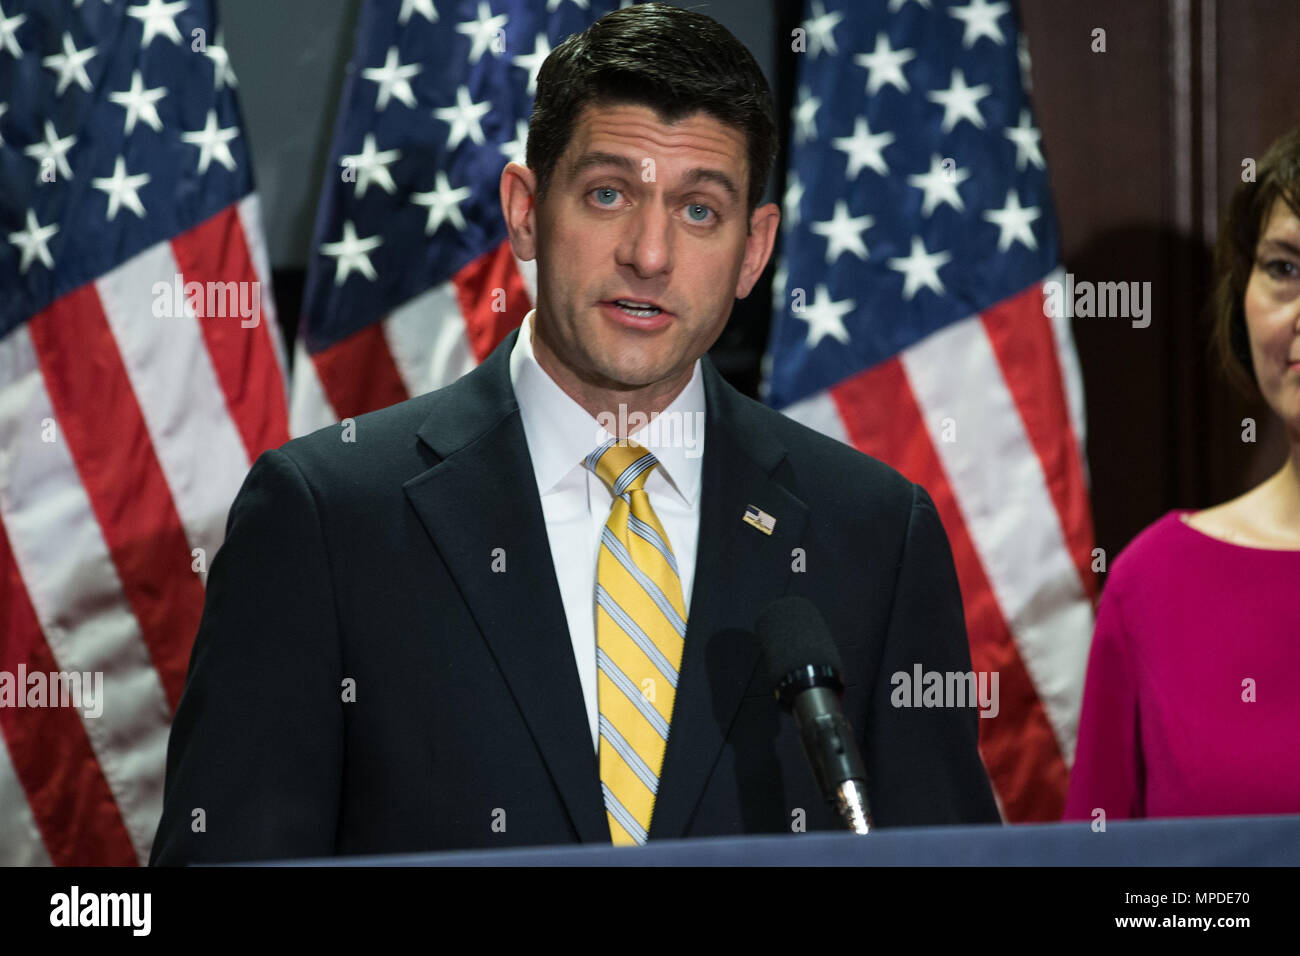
(622, 466)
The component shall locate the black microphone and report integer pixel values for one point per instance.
(804, 666)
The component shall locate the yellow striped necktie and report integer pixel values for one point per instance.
(640, 632)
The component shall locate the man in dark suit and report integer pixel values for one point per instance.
(461, 629)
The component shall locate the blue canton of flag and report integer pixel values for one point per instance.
(918, 195)
(119, 128)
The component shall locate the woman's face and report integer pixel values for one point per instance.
(1273, 314)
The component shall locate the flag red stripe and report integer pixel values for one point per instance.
(101, 420)
(244, 359)
(359, 374)
(69, 798)
(477, 284)
(1022, 339)
(1023, 758)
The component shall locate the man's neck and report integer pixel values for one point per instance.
(628, 406)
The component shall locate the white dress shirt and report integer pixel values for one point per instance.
(576, 503)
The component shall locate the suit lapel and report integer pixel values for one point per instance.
(480, 497)
(738, 570)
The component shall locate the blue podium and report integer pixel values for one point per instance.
(1216, 841)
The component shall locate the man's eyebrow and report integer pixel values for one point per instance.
(597, 158)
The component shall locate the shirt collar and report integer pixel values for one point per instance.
(561, 433)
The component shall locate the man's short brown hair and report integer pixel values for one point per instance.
(677, 62)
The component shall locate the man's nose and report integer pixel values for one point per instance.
(647, 245)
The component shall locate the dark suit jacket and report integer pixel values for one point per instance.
(369, 564)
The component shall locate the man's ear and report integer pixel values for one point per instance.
(758, 246)
(518, 206)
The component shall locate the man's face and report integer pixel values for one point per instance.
(646, 212)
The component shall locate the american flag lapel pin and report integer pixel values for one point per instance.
(760, 519)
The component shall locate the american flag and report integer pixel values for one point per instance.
(917, 233)
(140, 375)
(413, 282)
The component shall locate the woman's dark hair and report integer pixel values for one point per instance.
(1277, 177)
(677, 62)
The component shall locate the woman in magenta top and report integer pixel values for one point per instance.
(1191, 704)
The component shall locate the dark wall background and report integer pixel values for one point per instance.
(1144, 144)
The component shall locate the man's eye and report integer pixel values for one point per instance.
(698, 212)
(604, 194)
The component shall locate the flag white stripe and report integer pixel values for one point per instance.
(76, 593)
(427, 338)
(20, 839)
(1070, 371)
(184, 406)
(309, 409)
(250, 220)
(999, 487)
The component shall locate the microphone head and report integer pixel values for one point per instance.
(797, 648)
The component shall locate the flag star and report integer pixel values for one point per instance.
(33, 242)
(394, 79)
(222, 73)
(896, 5)
(8, 32)
(805, 116)
(884, 66)
(213, 143)
(1014, 222)
(516, 150)
(4, 108)
(820, 28)
(122, 189)
(980, 19)
(843, 233)
(483, 30)
(825, 317)
(444, 204)
(463, 117)
(864, 149)
(1026, 64)
(352, 253)
(793, 197)
(532, 62)
(424, 8)
(1026, 138)
(53, 149)
(960, 101)
(159, 19)
(920, 268)
(372, 164)
(940, 186)
(70, 65)
(552, 5)
(139, 103)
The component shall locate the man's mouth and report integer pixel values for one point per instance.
(641, 309)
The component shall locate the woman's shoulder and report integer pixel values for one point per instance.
(1167, 543)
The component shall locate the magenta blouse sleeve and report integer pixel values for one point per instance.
(1108, 772)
